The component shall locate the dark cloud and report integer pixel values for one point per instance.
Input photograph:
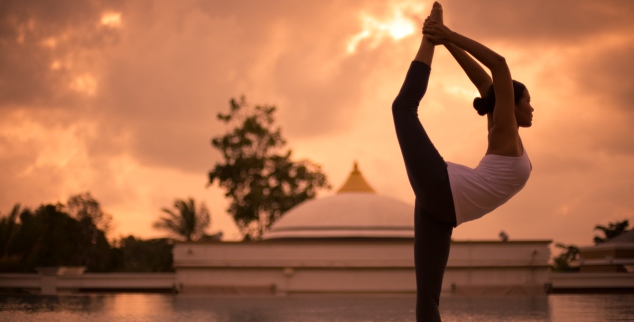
(539, 21)
(166, 80)
(607, 76)
(35, 34)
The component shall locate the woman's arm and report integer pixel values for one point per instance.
(474, 71)
(503, 114)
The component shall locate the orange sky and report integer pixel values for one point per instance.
(119, 98)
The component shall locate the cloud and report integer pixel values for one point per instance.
(608, 75)
(47, 49)
(120, 98)
(535, 23)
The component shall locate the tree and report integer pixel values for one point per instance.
(258, 175)
(83, 206)
(94, 224)
(137, 255)
(8, 230)
(51, 237)
(186, 222)
(614, 229)
(568, 260)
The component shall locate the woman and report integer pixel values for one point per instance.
(449, 194)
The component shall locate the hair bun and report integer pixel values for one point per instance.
(481, 105)
(486, 104)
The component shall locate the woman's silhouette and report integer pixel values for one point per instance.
(449, 194)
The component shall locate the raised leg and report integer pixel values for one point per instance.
(434, 216)
(426, 50)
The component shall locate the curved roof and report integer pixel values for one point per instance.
(355, 211)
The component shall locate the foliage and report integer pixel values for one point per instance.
(612, 230)
(84, 207)
(258, 175)
(51, 237)
(568, 260)
(186, 222)
(137, 255)
(8, 231)
(74, 235)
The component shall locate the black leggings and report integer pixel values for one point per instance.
(434, 214)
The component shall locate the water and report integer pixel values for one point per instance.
(312, 308)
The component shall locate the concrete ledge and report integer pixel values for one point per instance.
(473, 290)
(588, 282)
(105, 282)
(229, 289)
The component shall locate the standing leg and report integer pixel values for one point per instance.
(431, 251)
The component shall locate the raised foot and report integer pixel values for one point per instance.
(436, 13)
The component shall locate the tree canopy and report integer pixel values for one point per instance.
(568, 259)
(74, 234)
(51, 237)
(137, 255)
(186, 222)
(258, 174)
(84, 207)
(612, 230)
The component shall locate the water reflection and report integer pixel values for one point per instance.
(496, 308)
(309, 308)
(610, 307)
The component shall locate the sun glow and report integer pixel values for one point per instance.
(462, 92)
(55, 65)
(397, 26)
(84, 84)
(111, 19)
(50, 42)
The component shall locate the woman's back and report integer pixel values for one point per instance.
(492, 183)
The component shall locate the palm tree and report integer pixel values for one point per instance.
(614, 229)
(186, 221)
(568, 260)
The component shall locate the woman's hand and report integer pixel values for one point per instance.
(436, 32)
(427, 36)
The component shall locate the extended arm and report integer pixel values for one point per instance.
(474, 71)
(503, 114)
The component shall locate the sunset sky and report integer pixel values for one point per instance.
(119, 98)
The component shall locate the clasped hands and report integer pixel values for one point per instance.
(436, 32)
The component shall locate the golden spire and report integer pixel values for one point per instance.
(356, 182)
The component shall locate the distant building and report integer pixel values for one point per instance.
(615, 255)
(607, 267)
(354, 241)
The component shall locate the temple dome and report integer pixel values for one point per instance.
(354, 211)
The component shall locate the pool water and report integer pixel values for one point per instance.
(309, 308)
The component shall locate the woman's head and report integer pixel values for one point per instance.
(523, 110)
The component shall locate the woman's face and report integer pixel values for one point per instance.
(524, 111)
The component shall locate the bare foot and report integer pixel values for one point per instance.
(436, 13)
